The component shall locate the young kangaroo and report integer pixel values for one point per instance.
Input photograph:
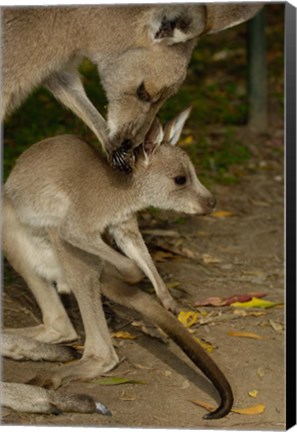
(59, 199)
(72, 189)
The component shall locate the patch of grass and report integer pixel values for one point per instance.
(213, 158)
(180, 221)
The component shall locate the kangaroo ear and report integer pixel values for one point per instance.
(179, 23)
(153, 138)
(176, 24)
(225, 15)
(173, 129)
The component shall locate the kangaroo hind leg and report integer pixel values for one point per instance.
(27, 255)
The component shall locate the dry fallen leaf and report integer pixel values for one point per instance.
(152, 331)
(201, 233)
(276, 326)
(185, 385)
(127, 397)
(222, 214)
(186, 252)
(208, 259)
(211, 301)
(244, 334)
(161, 256)
(253, 393)
(244, 313)
(205, 345)
(260, 203)
(260, 372)
(123, 335)
(188, 318)
(218, 301)
(202, 404)
(172, 285)
(255, 303)
(256, 409)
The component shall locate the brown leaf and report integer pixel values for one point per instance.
(162, 256)
(153, 331)
(276, 326)
(241, 298)
(253, 393)
(202, 404)
(260, 372)
(208, 259)
(127, 397)
(256, 409)
(211, 301)
(218, 301)
(123, 335)
(222, 214)
(244, 334)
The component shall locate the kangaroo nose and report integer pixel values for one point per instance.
(212, 202)
(126, 145)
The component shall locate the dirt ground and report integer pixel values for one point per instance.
(199, 257)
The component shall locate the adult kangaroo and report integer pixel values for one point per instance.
(142, 54)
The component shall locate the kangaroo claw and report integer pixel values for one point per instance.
(122, 160)
(102, 409)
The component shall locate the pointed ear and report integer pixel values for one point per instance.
(153, 138)
(225, 15)
(173, 129)
(176, 24)
(179, 23)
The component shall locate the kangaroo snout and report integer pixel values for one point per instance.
(207, 203)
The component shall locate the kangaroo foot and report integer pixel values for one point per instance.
(45, 334)
(84, 369)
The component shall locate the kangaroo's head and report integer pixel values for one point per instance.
(139, 78)
(165, 173)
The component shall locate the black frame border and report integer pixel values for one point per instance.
(290, 250)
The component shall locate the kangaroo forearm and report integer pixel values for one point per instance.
(129, 239)
(96, 246)
(67, 87)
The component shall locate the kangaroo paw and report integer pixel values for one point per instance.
(170, 304)
(79, 403)
(25, 348)
(122, 160)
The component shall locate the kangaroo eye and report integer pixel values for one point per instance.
(142, 94)
(180, 180)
